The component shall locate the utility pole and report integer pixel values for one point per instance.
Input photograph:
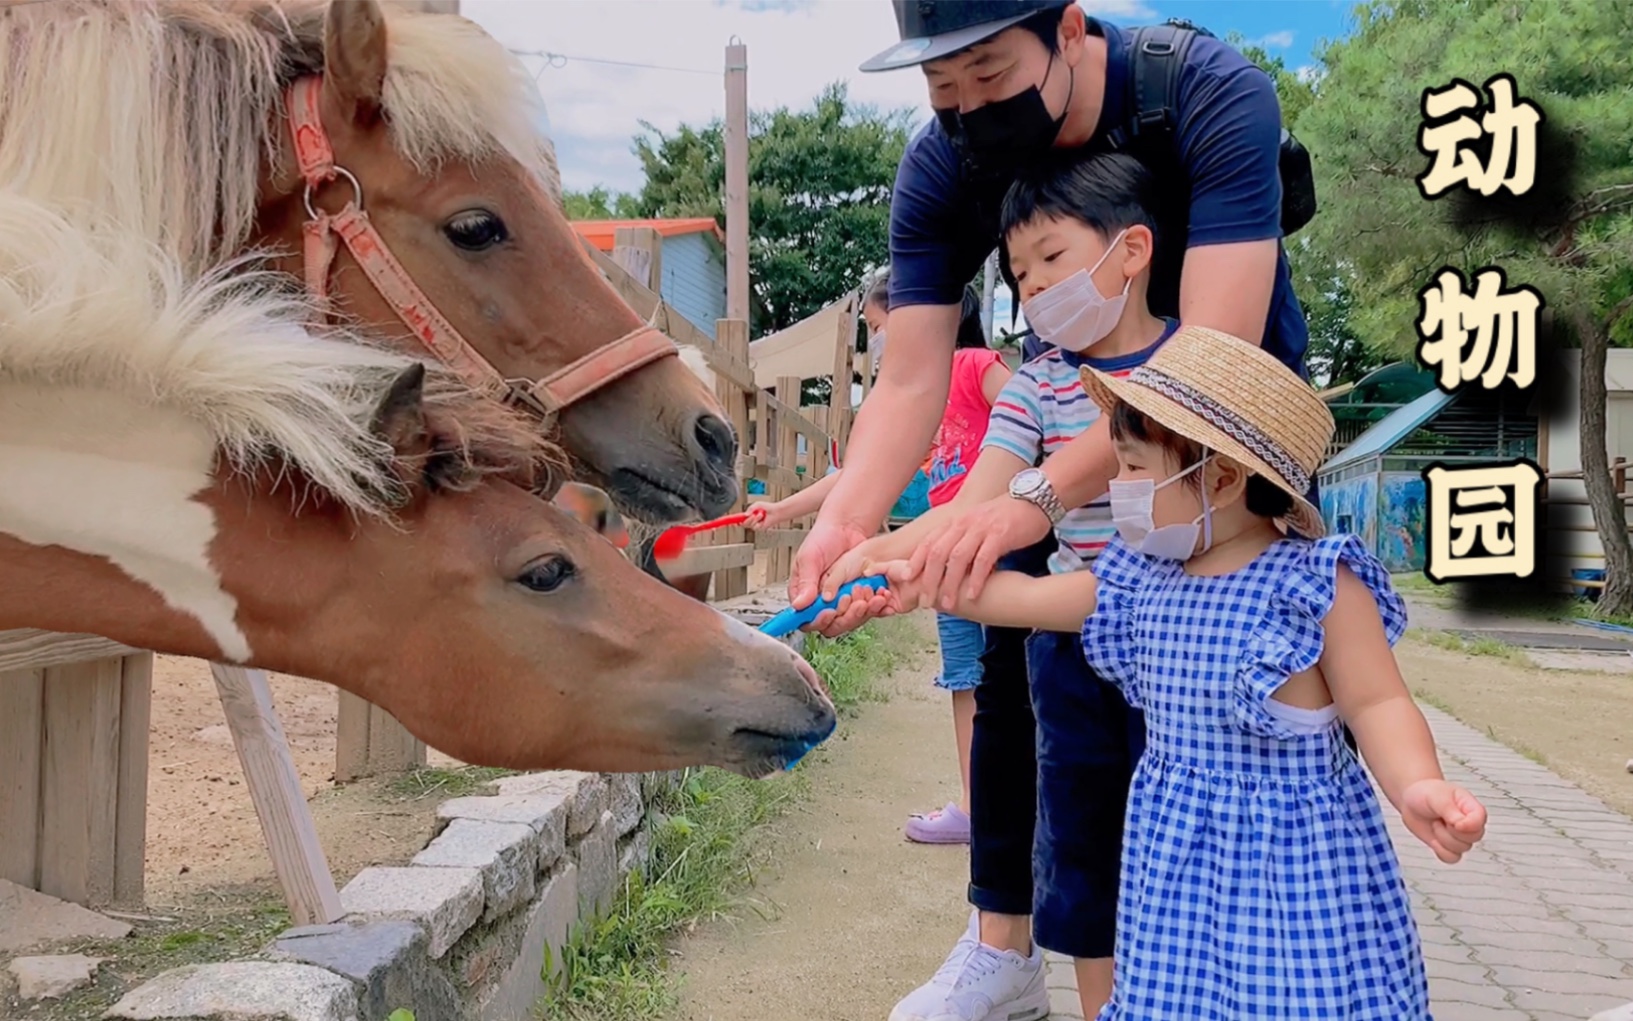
(737, 180)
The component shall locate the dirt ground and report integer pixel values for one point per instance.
(202, 831)
(1574, 722)
(845, 867)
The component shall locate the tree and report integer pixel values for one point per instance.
(600, 204)
(1571, 237)
(819, 196)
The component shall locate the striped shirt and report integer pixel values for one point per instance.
(1041, 409)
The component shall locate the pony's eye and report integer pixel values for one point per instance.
(547, 574)
(476, 230)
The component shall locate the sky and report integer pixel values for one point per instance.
(795, 47)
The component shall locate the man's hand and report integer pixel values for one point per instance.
(824, 544)
(965, 551)
(854, 611)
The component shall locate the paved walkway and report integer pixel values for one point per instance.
(1537, 923)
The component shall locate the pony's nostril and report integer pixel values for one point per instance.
(716, 441)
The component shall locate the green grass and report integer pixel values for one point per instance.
(437, 782)
(853, 665)
(709, 841)
(1471, 646)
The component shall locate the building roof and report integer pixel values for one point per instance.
(1390, 430)
(600, 232)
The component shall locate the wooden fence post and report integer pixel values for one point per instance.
(731, 337)
(73, 768)
(787, 446)
(640, 251)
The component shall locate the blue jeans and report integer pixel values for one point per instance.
(961, 644)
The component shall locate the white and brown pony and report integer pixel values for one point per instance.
(391, 162)
(186, 467)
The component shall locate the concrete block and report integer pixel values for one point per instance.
(1622, 1013)
(52, 976)
(387, 961)
(634, 851)
(506, 853)
(518, 990)
(626, 804)
(594, 797)
(242, 991)
(445, 902)
(596, 854)
(586, 792)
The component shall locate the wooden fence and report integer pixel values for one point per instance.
(74, 709)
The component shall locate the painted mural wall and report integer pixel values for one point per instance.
(1402, 532)
(1351, 506)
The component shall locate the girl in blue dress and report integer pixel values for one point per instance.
(1258, 880)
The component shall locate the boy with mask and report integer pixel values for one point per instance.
(1080, 243)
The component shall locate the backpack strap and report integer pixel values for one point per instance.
(1157, 54)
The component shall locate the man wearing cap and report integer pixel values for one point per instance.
(1012, 81)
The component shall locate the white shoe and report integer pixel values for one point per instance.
(979, 983)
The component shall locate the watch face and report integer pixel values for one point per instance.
(1027, 482)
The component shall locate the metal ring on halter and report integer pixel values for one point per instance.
(357, 192)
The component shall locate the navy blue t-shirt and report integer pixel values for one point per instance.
(942, 226)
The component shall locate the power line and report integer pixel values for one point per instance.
(560, 60)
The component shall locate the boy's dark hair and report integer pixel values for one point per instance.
(1109, 192)
(1263, 497)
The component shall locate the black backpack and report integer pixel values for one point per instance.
(1148, 133)
(1158, 53)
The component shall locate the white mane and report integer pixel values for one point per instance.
(159, 116)
(133, 136)
(106, 310)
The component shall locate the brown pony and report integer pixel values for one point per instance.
(392, 162)
(184, 467)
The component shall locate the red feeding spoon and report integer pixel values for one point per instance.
(672, 543)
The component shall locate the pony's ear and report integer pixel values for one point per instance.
(400, 419)
(354, 58)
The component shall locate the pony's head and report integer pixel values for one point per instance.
(435, 130)
(186, 467)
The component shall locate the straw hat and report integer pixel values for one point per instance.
(1233, 398)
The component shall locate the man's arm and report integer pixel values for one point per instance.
(1230, 140)
(898, 421)
(987, 480)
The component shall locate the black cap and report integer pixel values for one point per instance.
(932, 29)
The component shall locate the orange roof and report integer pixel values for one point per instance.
(600, 232)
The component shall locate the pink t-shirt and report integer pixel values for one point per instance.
(963, 426)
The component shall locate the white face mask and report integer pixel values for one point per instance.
(1073, 315)
(1131, 512)
(876, 347)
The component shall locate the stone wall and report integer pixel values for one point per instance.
(459, 933)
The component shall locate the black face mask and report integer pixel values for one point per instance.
(998, 138)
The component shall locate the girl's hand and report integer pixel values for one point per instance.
(764, 515)
(1444, 816)
(907, 591)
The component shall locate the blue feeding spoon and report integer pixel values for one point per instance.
(791, 620)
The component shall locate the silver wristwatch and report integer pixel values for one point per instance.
(1032, 485)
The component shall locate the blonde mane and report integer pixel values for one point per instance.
(133, 136)
(102, 309)
(159, 117)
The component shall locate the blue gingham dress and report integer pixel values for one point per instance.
(1258, 881)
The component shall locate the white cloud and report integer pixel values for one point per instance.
(1275, 40)
(1308, 73)
(795, 47)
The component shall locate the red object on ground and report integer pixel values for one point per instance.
(672, 543)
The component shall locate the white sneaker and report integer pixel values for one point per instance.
(979, 983)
